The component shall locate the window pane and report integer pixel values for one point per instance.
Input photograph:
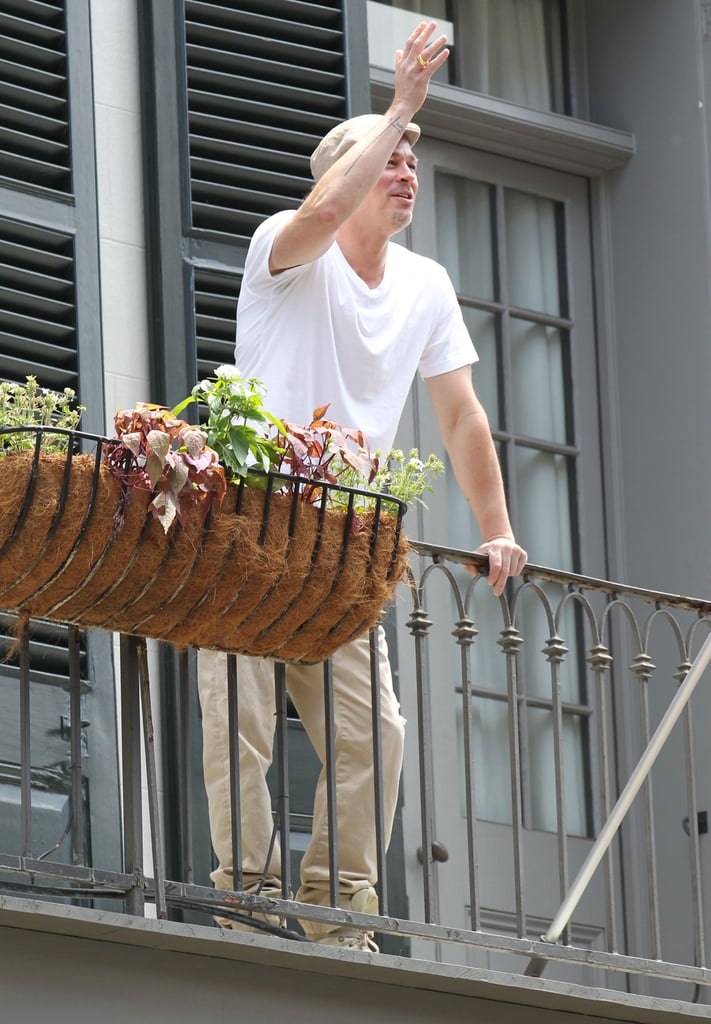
(391, 22)
(544, 507)
(463, 211)
(538, 379)
(485, 373)
(512, 49)
(532, 256)
(490, 751)
(542, 769)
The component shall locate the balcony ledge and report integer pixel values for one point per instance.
(137, 960)
(537, 136)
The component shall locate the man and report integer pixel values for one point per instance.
(331, 311)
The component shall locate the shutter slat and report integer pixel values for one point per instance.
(255, 121)
(289, 83)
(278, 64)
(52, 372)
(44, 13)
(32, 31)
(214, 173)
(23, 144)
(25, 280)
(34, 327)
(269, 19)
(254, 159)
(17, 252)
(32, 122)
(35, 304)
(35, 171)
(44, 103)
(30, 55)
(215, 91)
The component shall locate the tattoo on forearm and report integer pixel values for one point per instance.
(399, 128)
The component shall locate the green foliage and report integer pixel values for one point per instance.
(30, 405)
(238, 426)
(247, 437)
(407, 478)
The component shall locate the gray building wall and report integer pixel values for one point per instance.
(649, 64)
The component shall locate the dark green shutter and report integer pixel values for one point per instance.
(34, 115)
(50, 327)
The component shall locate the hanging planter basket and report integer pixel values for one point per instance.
(264, 574)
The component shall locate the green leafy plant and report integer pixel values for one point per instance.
(238, 427)
(157, 452)
(250, 441)
(407, 478)
(33, 406)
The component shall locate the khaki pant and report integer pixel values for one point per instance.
(357, 854)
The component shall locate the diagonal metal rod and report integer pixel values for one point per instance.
(151, 778)
(599, 848)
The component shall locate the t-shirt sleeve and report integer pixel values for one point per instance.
(449, 345)
(260, 246)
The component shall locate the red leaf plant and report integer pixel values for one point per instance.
(325, 451)
(157, 452)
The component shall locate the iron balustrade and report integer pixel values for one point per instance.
(589, 658)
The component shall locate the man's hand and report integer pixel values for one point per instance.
(506, 558)
(415, 64)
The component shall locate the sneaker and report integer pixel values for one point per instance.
(272, 920)
(352, 940)
(363, 901)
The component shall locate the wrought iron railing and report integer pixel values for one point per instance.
(556, 692)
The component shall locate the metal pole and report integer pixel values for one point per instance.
(75, 726)
(152, 779)
(331, 793)
(644, 766)
(282, 734)
(131, 774)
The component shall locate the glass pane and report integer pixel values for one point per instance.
(538, 381)
(485, 373)
(512, 49)
(542, 769)
(490, 751)
(391, 22)
(465, 234)
(545, 507)
(532, 257)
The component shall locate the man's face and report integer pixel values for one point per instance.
(393, 195)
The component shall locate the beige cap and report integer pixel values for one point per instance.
(346, 134)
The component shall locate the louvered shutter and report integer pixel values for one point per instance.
(34, 147)
(49, 289)
(264, 82)
(50, 328)
(215, 295)
(37, 305)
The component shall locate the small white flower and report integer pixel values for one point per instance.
(227, 372)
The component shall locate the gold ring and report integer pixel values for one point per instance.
(423, 63)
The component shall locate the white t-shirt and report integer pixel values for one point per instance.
(318, 335)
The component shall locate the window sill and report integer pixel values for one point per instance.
(485, 122)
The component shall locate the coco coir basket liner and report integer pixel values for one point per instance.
(265, 573)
